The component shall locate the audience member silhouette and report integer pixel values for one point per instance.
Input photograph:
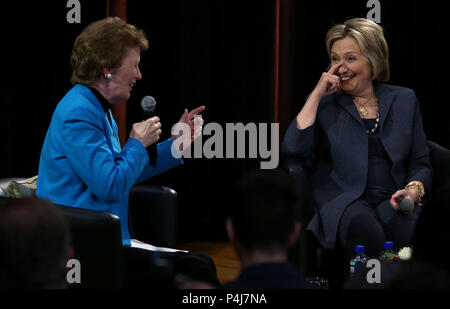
(264, 221)
(35, 244)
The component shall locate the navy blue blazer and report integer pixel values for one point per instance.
(337, 143)
(269, 276)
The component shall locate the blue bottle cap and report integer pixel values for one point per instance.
(388, 245)
(359, 249)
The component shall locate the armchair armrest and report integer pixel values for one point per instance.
(4, 182)
(298, 169)
(97, 244)
(440, 161)
(304, 253)
(153, 214)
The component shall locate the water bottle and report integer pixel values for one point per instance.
(388, 254)
(357, 260)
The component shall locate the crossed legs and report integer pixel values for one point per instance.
(368, 225)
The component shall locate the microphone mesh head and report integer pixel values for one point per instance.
(148, 103)
(406, 205)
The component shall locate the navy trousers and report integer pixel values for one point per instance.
(368, 224)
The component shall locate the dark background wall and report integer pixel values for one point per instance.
(217, 53)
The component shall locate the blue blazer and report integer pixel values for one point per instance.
(83, 165)
(337, 143)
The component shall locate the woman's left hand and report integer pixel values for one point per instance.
(195, 125)
(410, 193)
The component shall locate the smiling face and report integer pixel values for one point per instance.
(124, 78)
(355, 72)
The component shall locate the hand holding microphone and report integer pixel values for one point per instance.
(148, 105)
(148, 131)
(403, 200)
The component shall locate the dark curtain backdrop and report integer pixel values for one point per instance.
(36, 47)
(213, 53)
(217, 53)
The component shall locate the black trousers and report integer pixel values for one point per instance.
(149, 269)
(363, 223)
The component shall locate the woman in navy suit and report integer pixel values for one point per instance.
(366, 143)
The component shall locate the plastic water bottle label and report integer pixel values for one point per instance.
(353, 266)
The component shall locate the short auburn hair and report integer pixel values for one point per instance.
(102, 44)
(370, 39)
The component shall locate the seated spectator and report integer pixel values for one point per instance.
(34, 245)
(263, 223)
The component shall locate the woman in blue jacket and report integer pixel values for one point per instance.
(366, 142)
(82, 163)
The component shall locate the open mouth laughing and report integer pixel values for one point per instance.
(347, 77)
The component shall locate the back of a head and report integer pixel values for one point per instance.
(34, 244)
(264, 210)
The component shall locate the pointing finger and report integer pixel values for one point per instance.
(196, 111)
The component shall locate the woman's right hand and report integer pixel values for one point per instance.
(147, 132)
(329, 82)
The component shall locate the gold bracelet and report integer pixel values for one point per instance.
(420, 189)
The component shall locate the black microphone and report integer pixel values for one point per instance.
(406, 205)
(148, 105)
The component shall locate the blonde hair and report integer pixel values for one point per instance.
(370, 39)
(102, 45)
